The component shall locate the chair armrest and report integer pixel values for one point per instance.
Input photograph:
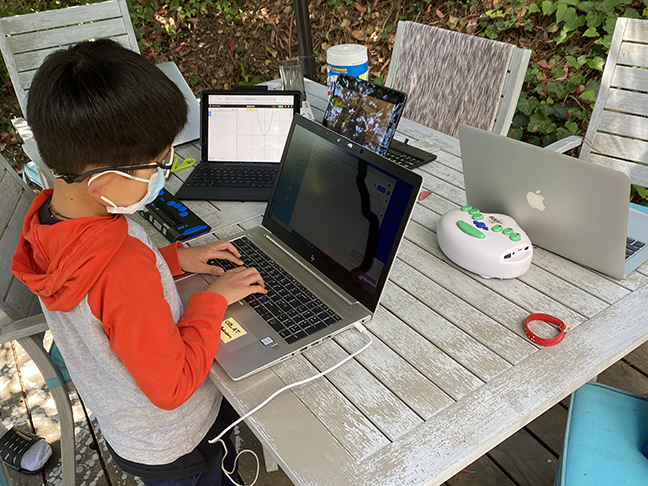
(31, 150)
(22, 328)
(565, 144)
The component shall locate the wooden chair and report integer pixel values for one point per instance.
(618, 129)
(26, 40)
(606, 431)
(21, 318)
(448, 82)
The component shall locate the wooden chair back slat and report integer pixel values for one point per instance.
(633, 55)
(26, 40)
(64, 36)
(52, 19)
(629, 78)
(30, 61)
(618, 129)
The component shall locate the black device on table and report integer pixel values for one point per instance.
(242, 137)
(369, 114)
(173, 219)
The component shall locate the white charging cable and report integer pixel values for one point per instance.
(360, 328)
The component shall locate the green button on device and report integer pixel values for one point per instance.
(466, 208)
(470, 230)
(477, 216)
(508, 231)
(497, 228)
(515, 237)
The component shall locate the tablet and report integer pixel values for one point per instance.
(364, 112)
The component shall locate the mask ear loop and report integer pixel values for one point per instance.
(119, 172)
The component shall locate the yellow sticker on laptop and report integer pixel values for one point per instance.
(231, 330)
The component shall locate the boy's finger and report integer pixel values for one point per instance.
(226, 246)
(213, 270)
(225, 255)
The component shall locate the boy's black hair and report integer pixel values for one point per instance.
(100, 104)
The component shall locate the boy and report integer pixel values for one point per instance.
(104, 119)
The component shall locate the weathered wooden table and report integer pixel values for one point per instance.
(451, 373)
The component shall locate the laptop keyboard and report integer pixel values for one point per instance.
(290, 309)
(206, 176)
(406, 160)
(633, 246)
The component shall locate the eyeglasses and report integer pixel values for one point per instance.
(165, 164)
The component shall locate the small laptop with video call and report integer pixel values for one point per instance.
(368, 114)
(577, 209)
(329, 236)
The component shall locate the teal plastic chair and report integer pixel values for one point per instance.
(606, 431)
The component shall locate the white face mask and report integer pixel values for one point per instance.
(155, 185)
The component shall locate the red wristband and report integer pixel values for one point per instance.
(549, 320)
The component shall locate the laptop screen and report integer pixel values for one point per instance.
(364, 112)
(344, 209)
(246, 127)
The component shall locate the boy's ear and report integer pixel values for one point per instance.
(96, 189)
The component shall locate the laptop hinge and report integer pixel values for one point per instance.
(305, 267)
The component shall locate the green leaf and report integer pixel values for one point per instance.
(560, 111)
(530, 105)
(605, 41)
(571, 61)
(558, 89)
(593, 86)
(596, 63)
(515, 133)
(594, 18)
(520, 119)
(533, 8)
(572, 20)
(577, 79)
(548, 7)
(631, 13)
(565, 34)
(548, 139)
(558, 72)
(591, 32)
(546, 109)
(578, 113)
(642, 191)
(571, 126)
(539, 122)
(561, 12)
(588, 95)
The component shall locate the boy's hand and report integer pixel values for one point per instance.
(195, 259)
(238, 283)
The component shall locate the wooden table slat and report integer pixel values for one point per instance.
(355, 432)
(433, 363)
(384, 409)
(462, 347)
(509, 345)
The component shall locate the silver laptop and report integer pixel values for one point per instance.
(332, 228)
(574, 208)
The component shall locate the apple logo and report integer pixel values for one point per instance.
(536, 200)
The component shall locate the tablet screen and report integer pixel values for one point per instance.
(364, 112)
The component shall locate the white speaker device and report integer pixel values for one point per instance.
(491, 245)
